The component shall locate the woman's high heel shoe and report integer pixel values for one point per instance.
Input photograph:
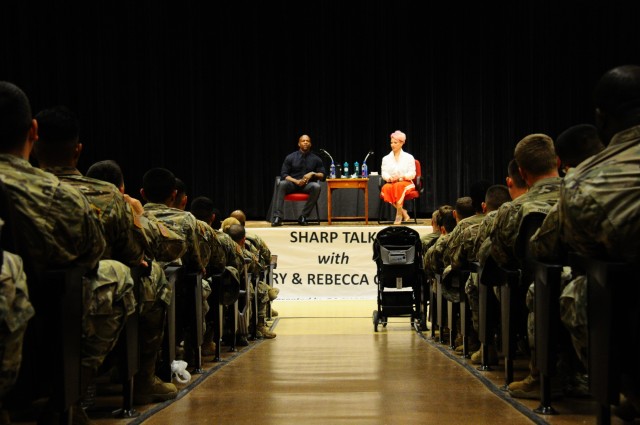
(398, 219)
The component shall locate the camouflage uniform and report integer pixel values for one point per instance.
(458, 254)
(484, 229)
(598, 216)
(226, 253)
(482, 244)
(198, 252)
(234, 260)
(198, 239)
(599, 212)
(264, 253)
(428, 240)
(59, 228)
(128, 240)
(116, 215)
(67, 233)
(433, 259)
(261, 258)
(540, 198)
(15, 312)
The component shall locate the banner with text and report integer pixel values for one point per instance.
(324, 262)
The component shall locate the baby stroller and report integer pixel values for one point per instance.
(397, 251)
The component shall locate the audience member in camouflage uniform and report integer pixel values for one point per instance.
(160, 243)
(573, 146)
(429, 239)
(253, 268)
(599, 214)
(469, 215)
(238, 234)
(451, 256)
(217, 258)
(159, 191)
(258, 246)
(59, 228)
(495, 197)
(536, 159)
(202, 208)
(58, 150)
(15, 312)
(433, 258)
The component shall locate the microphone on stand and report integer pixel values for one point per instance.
(326, 153)
(332, 168)
(365, 168)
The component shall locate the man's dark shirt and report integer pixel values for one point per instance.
(297, 164)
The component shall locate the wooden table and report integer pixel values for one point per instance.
(361, 183)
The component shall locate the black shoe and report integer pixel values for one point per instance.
(302, 221)
(277, 221)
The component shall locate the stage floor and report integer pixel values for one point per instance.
(338, 223)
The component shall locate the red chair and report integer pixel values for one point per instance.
(298, 197)
(411, 195)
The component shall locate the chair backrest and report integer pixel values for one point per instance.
(418, 181)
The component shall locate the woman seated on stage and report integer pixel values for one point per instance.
(398, 171)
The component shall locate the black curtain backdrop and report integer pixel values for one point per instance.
(220, 92)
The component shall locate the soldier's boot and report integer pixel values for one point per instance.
(208, 345)
(273, 293)
(148, 388)
(264, 329)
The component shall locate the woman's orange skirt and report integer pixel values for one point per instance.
(394, 192)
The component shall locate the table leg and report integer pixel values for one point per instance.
(366, 203)
(329, 205)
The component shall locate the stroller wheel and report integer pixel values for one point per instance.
(375, 320)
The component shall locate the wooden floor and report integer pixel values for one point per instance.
(327, 366)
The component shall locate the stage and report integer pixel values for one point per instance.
(326, 261)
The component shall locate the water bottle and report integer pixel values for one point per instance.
(365, 170)
(332, 171)
(356, 169)
(345, 170)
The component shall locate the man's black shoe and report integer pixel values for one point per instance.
(277, 221)
(302, 221)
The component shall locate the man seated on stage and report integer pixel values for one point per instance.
(301, 171)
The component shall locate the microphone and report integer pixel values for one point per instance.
(326, 153)
(366, 157)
